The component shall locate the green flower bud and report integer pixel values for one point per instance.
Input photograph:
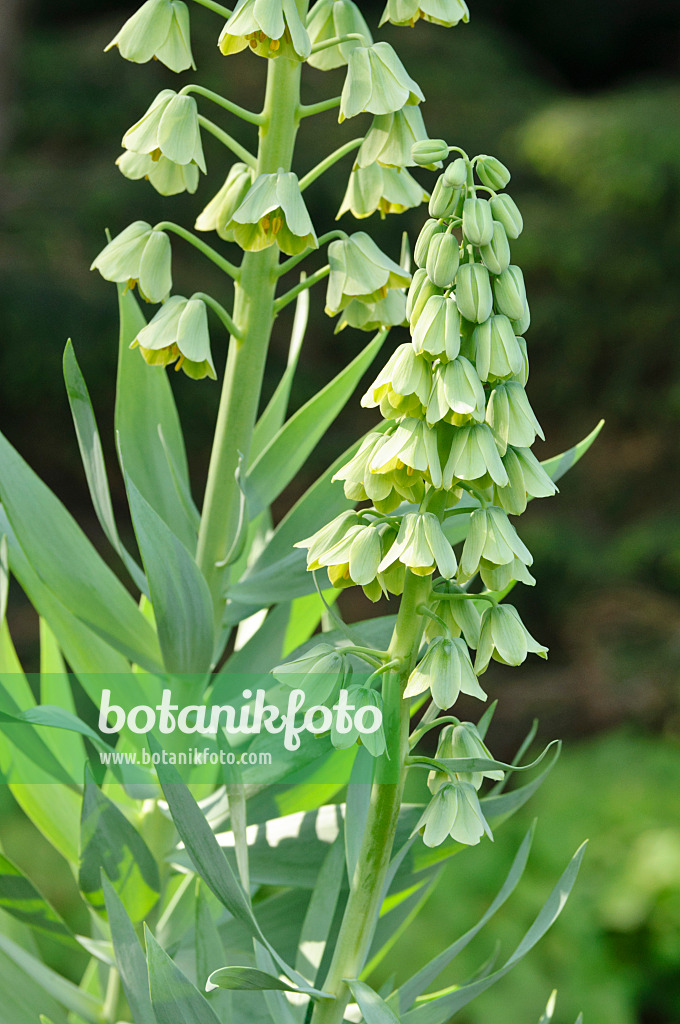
(491, 539)
(403, 375)
(443, 259)
(509, 293)
(222, 207)
(158, 30)
(138, 256)
(360, 270)
(321, 672)
(421, 546)
(454, 811)
(271, 28)
(496, 253)
(522, 325)
(444, 199)
(526, 477)
(455, 175)
(179, 331)
(385, 189)
(169, 128)
(497, 353)
(445, 670)
(414, 445)
(459, 617)
(421, 290)
(505, 211)
(492, 172)
(437, 330)
(332, 19)
(429, 152)
(373, 316)
(456, 389)
(462, 741)
(376, 82)
(441, 12)
(391, 138)
(477, 221)
(511, 417)
(473, 292)
(360, 697)
(167, 177)
(505, 638)
(428, 231)
(273, 213)
(474, 454)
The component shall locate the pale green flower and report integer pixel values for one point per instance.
(372, 316)
(445, 670)
(511, 417)
(138, 256)
(496, 253)
(271, 28)
(454, 811)
(526, 477)
(477, 221)
(404, 381)
(414, 444)
(386, 490)
(505, 638)
(222, 207)
(169, 128)
(332, 19)
(385, 189)
(474, 454)
(443, 259)
(510, 295)
(327, 537)
(496, 349)
(459, 741)
(428, 231)
(441, 12)
(421, 546)
(391, 137)
(455, 175)
(360, 697)
(522, 325)
(320, 672)
(492, 172)
(421, 290)
(460, 617)
(160, 30)
(457, 393)
(473, 292)
(167, 177)
(505, 211)
(437, 329)
(376, 82)
(179, 331)
(491, 541)
(353, 557)
(273, 213)
(360, 270)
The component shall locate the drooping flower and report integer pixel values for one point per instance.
(421, 546)
(385, 490)
(167, 177)
(333, 19)
(414, 444)
(138, 256)
(360, 697)
(360, 270)
(402, 386)
(320, 672)
(491, 541)
(497, 352)
(391, 137)
(271, 28)
(169, 128)
(454, 811)
(505, 638)
(376, 83)
(273, 213)
(526, 478)
(457, 393)
(437, 328)
(511, 417)
(222, 206)
(473, 454)
(460, 617)
(372, 316)
(179, 332)
(463, 741)
(445, 670)
(385, 189)
(160, 30)
(441, 12)
(352, 557)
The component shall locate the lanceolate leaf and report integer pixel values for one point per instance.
(558, 465)
(320, 912)
(174, 998)
(248, 979)
(20, 898)
(60, 989)
(130, 957)
(374, 1009)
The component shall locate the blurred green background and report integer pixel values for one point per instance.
(582, 101)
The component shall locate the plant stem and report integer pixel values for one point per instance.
(304, 284)
(246, 115)
(228, 141)
(219, 311)
(328, 162)
(207, 250)
(217, 8)
(308, 110)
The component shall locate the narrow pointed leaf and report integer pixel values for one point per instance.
(174, 998)
(20, 898)
(320, 912)
(558, 465)
(130, 957)
(374, 1009)
(60, 989)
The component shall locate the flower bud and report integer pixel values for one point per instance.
(510, 293)
(473, 292)
(477, 221)
(443, 258)
(443, 200)
(428, 231)
(376, 82)
(179, 331)
(429, 151)
(496, 253)
(497, 353)
(421, 290)
(138, 255)
(522, 325)
(505, 638)
(492, 172)
(455, 175)
(158, 30)
(511, 417)
(332, 19)
(505, 211)
(224, 205)
(437, 329)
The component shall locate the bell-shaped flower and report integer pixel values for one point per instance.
(505, 211)
(405, 375)
(445, 670)
(497, 352)
(179, 331)
(414, 444)
(167, 177)
(510, 296)
(169, 128)
(477, 221)
(385, 490)
(491, 539)
(496, 253)
(511, 417)
(473, 292)
(327, 537)
(273, 213)
(420, 291)
(437, 329)
(353, 558)
(360, 697)
(376, 83)
(158, 30)
(443, 259)
(222, 207)
(441, 12)
(271, 28)
(421, 546)
(385, 189)
(333, 19)
(457, 393)
(373, 316)
(505, 638)
(454, 811)
(463, 741)
(391, 138)
(321, 672)
(526, 478)
(474, 454)
(460, 617)
(430, 228)
(498, 577)
(138, 256)
(359, 270)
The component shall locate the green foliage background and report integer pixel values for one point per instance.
(583, 104)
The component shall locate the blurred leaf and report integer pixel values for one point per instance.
(499, 808)
(56, 689)
(20, 898)
(209, 949)
(60, 989)
(280, 581)
(28, 743)
(175, 1000)
(130, 957)
(4, 577)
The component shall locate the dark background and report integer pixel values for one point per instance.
(582, 101)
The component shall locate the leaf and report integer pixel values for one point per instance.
(247, 979)
(174, 998)
(144, 402)
(130, 957)
(499, 808)
(4, 577)
(276, 466)
(56, 689)
(374, 1009)
(180, 596)
(68, 564)
(305, 615)
(281, 581)
(92, 457)
(318, 920)
(438, 1011)
(547, 1014)
(30, 747)
(20, 898)
(111, 844)
(558, 465)
(63, 991)
(209, 948)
